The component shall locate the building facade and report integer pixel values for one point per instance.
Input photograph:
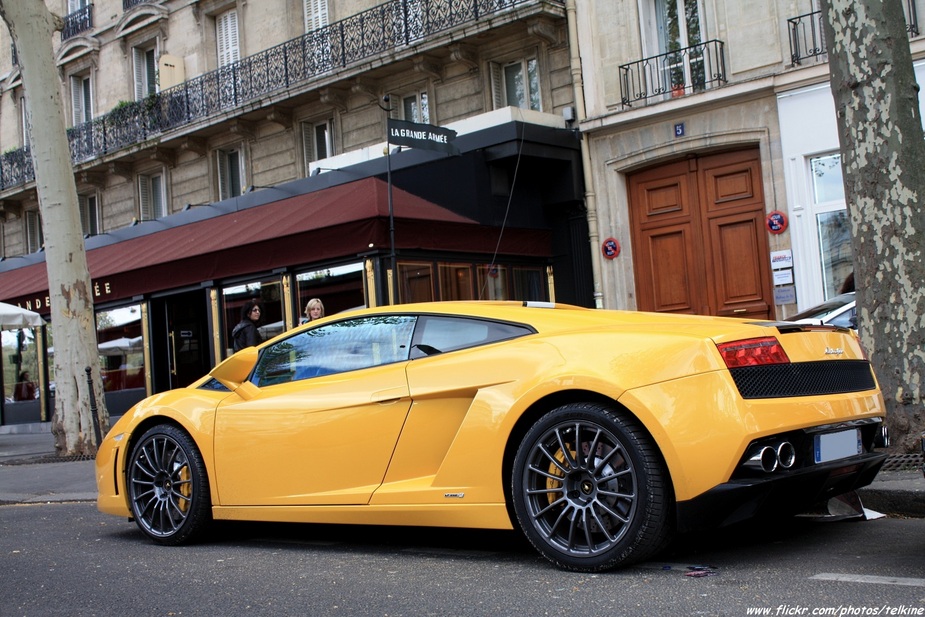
(227, 150)
(666, 155)
(714, 154)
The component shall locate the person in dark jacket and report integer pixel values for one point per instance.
(245, 334)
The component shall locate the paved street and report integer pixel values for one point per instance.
(67, 559)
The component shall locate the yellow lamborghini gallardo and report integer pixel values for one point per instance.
(598, 433)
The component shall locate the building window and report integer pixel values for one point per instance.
(414, 108)
(316, 14)
(24, 116)
(226, 36)
(673, 25)
(89, 214)
(81, 99)
(833, 229)
(151, 197)
(34, 237)
(145, 71)
(317, 140)
(516, 84)
(230, 173)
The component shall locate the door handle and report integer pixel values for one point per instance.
(173, 353)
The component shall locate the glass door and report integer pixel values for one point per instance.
(179, 339)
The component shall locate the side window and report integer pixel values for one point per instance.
(336, 348)
(440, 334)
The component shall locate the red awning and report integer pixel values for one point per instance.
(340, 221)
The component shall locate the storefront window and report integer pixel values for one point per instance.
(121, 347)
(832, 226)
(415, 281)
(835, 249)
(340, 288)
(529, 284)
(268, 293)
(493, 284)
(827, 179)
(456, 281)
(20, 367)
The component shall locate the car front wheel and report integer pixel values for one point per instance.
(168, 486)
(589, 489)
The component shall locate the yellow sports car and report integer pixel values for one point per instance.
(598, 433)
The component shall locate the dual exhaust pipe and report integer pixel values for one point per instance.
(772, 458)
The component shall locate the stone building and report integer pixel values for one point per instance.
(667, 155)
(226, 150)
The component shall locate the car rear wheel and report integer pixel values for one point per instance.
(168, 486)
(589, 489)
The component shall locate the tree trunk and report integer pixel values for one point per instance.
(31, 25)
(883, 154)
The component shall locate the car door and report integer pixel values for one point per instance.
(330, 406)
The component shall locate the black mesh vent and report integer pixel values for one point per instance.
(803, 378)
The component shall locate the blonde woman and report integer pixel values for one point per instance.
(313, 310)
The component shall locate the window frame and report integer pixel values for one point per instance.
(147, 191)
(315, 14)
(81, 98)
(530, 74)
(35, 238)
(230, 169)
(309, 139)
(89, 206)
(144, 70)
(227, 38)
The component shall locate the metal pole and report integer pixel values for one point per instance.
(392, 259)
(96, 421)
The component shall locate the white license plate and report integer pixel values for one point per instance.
(833, 446)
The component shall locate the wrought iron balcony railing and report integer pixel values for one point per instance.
(674, 73)
(128, 4)
(807, 35)
(79, 21)
(376, 31)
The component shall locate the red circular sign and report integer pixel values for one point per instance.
(610, 248)
(776, 222)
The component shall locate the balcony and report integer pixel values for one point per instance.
(129, 4)
(807, 34)
(321, 53)
(79, 21)
(673, 74)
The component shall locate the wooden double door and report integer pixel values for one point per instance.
(699, 237)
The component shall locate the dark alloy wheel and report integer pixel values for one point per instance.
(168, 487)
(589, 489)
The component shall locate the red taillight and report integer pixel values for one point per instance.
(753, 352)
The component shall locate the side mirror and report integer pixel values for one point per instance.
(232, 372)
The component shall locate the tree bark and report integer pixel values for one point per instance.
(883, 155)
(32, 25)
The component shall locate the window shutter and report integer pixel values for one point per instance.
(25, 123)
(77, 100)
(226, 27)
(316, 14)
(150, 68)
(158, 206)
(144, 198)
(138, 66)
(88, 99)
(84, 207)
(497, 86)
(308, 144)
(33, 231)
(223, 188)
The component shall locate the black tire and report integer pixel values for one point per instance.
(168, 486)
(589, 514)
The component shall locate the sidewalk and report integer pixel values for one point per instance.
(29, 473)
